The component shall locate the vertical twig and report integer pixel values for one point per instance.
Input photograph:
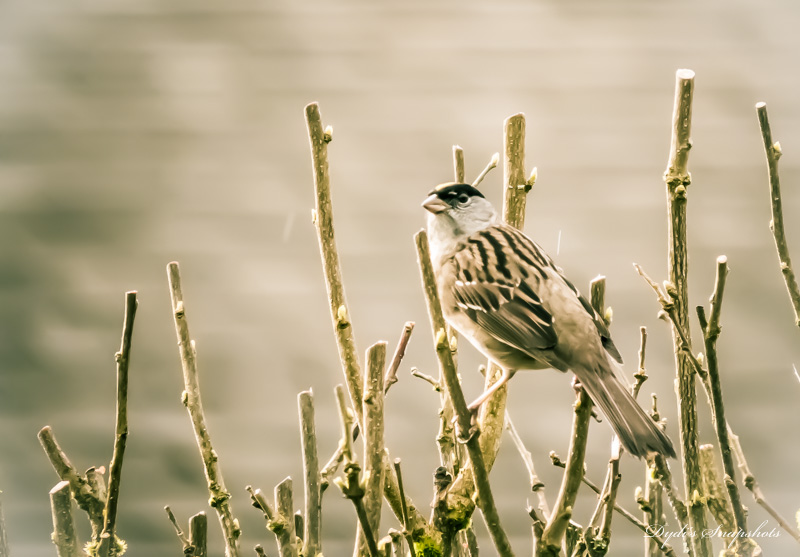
(373, 436)
(198, 534)
(469, 435)
(312, 537)
(279, 523)
(549, 543)
(406, 531)
(458, 164)
(343, 330)
(220, 497)
(711, 330)
(323, 220)
(351, 484)
(4, 551)
(64, 536)
(284, 506)
(108, 537)
(773, 152)
(677, 178)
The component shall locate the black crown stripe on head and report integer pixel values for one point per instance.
(452, 189)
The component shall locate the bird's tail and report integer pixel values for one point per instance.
(637, 431)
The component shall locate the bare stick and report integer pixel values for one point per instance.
(711, 331)
(677, 178)
(285, 509)
(64, 536)
(469, 435)
(516, 187)
(549, 544)
(773, 152)
(751, 484)
(188, 548)
(323, 219)
(198, 534)
(491, 165)
(399, 352)
(536, 484)
(343, 330)
(373, 438)
(220, 497)
(82, 491)
(4, 551)
(311, 474)
(641, 373)
(715, 492)
(107, 538)
(351, 484)
(458, 164)
(406, 531)
(279, 523)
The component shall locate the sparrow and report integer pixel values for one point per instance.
(500, 290)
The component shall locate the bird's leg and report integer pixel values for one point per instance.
(507, 374)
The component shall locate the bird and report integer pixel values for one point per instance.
(506, 295)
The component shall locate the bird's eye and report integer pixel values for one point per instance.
(463, 198)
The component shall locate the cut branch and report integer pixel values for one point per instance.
(86, 498)
(311, 474)
(108, 537)
(677, 178)
(64, 536)
(220, 497)
(711, 331)
(773, 152)
(399, 352)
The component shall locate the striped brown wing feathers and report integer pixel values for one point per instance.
(499, 295)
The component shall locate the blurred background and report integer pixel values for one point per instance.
(135, 132)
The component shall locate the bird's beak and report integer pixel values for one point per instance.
(435, 205)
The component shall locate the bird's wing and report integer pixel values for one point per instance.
(497, 295)
(500, 293)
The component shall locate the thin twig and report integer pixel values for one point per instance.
(458, 164)
(198, 534)
(351, 484)
(406, 531)
(82, 491)
(773, 152)
(343, 330)
(491, 165)
(64, 536)
(373, 439)
(550, 542)
(279, 523)
(667, 549)
(641, 373)
(677, 178)
(108, 537)
(469, 435)
(220, 497)
(188, 548)
(751, 484)
(312, 538)
(323, 220)
(399, 352)
(537, 486)
(711, 330)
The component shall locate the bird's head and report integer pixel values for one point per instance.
(456, 211)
